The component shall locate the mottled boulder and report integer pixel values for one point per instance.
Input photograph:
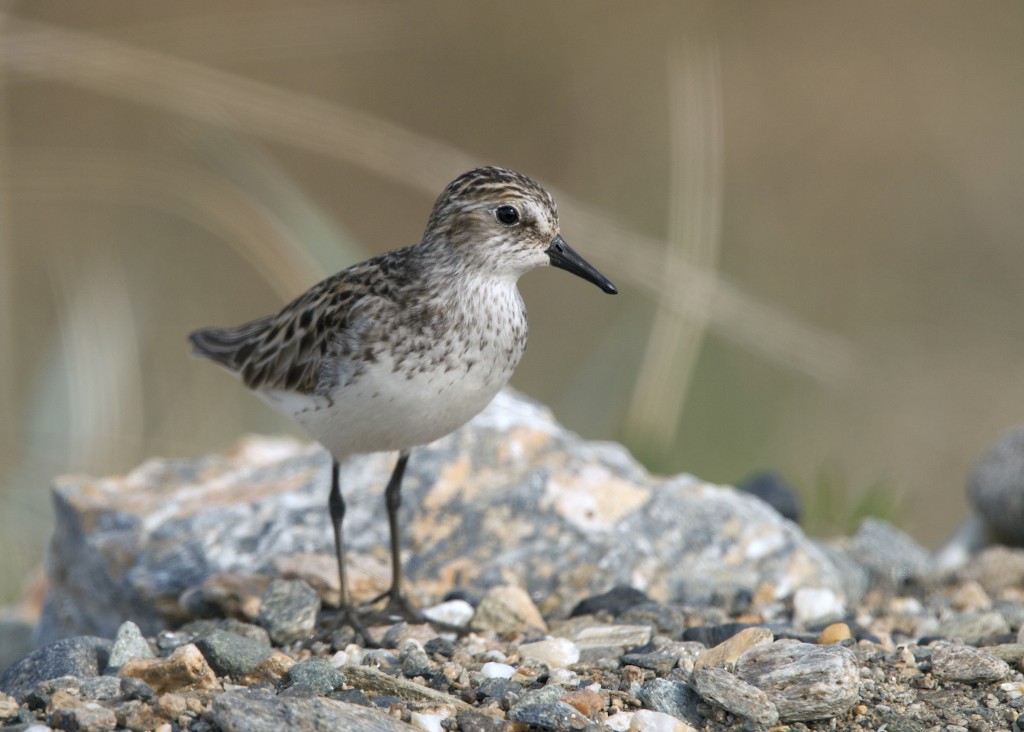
(512, 498)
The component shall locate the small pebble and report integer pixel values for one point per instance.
(555, 652)
(288, 610)
(492, 670)
(814, 605)
(453, 612)
(835, 633)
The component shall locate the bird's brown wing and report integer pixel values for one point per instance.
(305, 347)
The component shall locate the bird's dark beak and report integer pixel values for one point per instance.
(563, 257)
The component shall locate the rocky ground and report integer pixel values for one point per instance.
(197, 595)
(949, 659)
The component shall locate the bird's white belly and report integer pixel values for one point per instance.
(388, 409)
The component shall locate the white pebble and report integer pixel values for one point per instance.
(619, 722)
(555, 652)
(647, 721)
(492, 670)
(426, 722)
(453, 612)
(811, 604)
(1012, 689)
(339, 659)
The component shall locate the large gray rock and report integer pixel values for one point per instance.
(996, 487)
(510, 498)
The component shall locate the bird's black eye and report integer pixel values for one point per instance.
(507, 215)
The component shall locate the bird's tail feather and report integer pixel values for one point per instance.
(229, 347)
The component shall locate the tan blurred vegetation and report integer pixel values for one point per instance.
(813, 211)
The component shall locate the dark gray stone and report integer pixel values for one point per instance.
(614, 602)
(672, 697)
(288, 610)
(317, 675)
(996, 487)
(545, 709)
(770, 487)
(231, 655)
(243, 711)
(81, 657)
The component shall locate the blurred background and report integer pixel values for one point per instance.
(813, 212)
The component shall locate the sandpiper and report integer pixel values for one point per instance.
(406, 347)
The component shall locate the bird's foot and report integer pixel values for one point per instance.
(349, 616)
(399, 608)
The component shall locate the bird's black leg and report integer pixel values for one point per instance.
(398, 603)
(336, 506)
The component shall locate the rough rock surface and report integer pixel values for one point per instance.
(512, 498)
(629, 624)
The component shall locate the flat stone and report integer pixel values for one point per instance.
(81, 657)
(242, 711)
(803, 681)
(966, 664)
(288, 610)
(735, 695)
